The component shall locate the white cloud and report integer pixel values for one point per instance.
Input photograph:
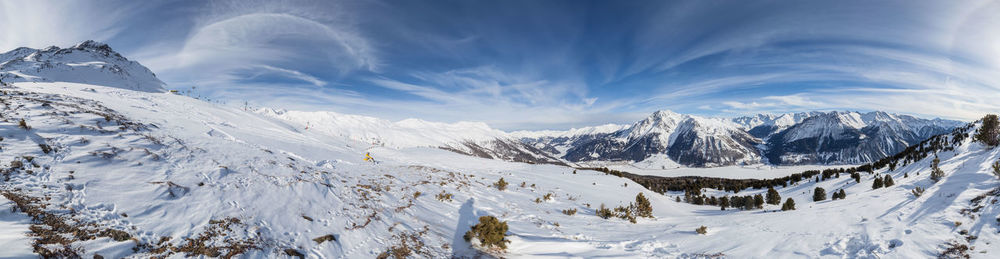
(41, 23)
(295, 74)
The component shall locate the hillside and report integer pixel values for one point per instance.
(161, 166)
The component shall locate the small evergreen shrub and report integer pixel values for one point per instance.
(604, 212)
(888, 181)
(501, 184)
(773, 197)
(989, 132)
(626, 213)
(569, 212)
(819, 194)
(701, 230)
(936, 173)
(443, 196)
(490, 232)
(23, 124)
(789, 205)
(643, 207)
(996, 168)
(877, 183)
(917, 191)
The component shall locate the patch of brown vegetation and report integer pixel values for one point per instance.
(54, 233)
(218, 231)
(407, 244)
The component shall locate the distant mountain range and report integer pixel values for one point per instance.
(786, 139)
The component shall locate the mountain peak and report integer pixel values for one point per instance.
(92, 44)
(89, 62)
(96, 46)
(665, 114)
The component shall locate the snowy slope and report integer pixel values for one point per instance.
(160, 165)
(469, 138)
(89, 62)
(102, 170)
(402, 134)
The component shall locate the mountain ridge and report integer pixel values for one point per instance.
(89, 62)
(705, 142)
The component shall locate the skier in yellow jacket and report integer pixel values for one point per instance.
(369, 158)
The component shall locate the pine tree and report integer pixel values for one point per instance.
(843, 194)
(888, 181)
(878, 183)
(819, 194)
(789, 205)
(724, 202)
(758, 201)
(773, 197)
(996, 168)
(643, 208)
(989, 132)
(936, 173)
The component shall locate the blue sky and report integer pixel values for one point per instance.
(548, 64)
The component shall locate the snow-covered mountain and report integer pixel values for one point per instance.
(89, 62)
(763, 125)
(557, 142)
(792, 138)
(688, 140)
(469, 138)
(850, 137)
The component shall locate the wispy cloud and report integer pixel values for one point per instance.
(550, 64)
(39, 24)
